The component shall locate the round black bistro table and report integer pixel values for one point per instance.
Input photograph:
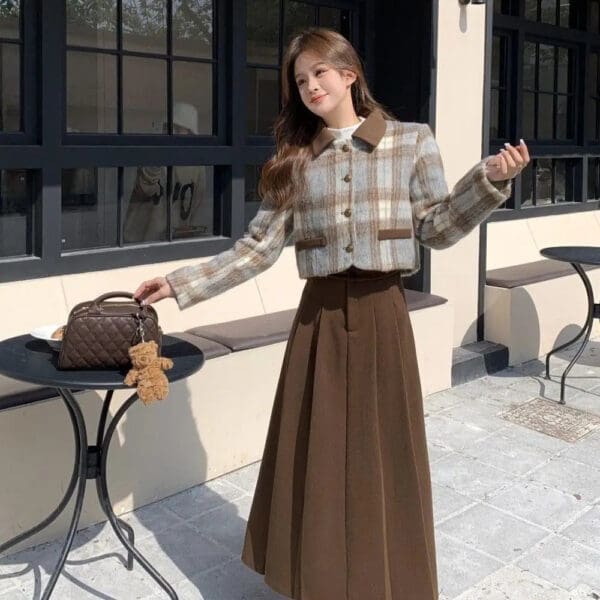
(28, 359)
(577, 256)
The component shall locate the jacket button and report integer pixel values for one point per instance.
(349, 248)
(347, 212)
(347, 177)
(346, 148)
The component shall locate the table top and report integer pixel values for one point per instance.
(587, 255)
(29, 359)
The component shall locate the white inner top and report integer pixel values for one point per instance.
(345, 132)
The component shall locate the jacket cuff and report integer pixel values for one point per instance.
(179, 280)
(497, 191)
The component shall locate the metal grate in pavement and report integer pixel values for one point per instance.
(554, 419)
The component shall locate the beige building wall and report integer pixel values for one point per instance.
(458, 131)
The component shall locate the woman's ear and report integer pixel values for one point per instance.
(349, 76)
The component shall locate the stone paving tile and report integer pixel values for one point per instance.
(244, 478)
(569, 476)
(446, 501)
(449, 433)
(460, 567)
(468, 476)
(493, 532)
(512, 583)
(586, 450)
(586, 529)
(564, 563)
(436, 452)
(538, 503)
(502, 453)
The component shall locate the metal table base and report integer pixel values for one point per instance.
(90, 463)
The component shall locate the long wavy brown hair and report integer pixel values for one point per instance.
(282, 176)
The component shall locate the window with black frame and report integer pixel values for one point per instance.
(270, 24)
(11, 44)
(535, 92)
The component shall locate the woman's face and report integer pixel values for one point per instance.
(322, 87)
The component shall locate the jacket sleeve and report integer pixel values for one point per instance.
(253, 253)
(442, 218)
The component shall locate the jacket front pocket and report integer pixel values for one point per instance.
(316, 242)
(393, 234)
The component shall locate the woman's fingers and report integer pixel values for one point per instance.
(154, 290)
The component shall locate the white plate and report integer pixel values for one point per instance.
(45, 332)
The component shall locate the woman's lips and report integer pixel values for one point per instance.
(318, 99)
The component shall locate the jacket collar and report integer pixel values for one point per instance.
(371, 130)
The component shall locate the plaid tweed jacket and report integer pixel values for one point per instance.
(370, 201)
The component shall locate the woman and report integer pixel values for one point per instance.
(343, 507)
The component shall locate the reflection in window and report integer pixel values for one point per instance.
(10, 87)
(10, 19)
(16, 212)
(91, 92)
(92, 24)
(552, 12)
(251, 198)
(146, 206)
(593, 186)
(192, 97)
(297, 16)
(89, 208)
(593, 97)
(144, 95)
(193, 28)
(145, 25)
(262, 100)
(262, 32)
(498, 117)
(548, 96)
(593, 16)
(548, 181)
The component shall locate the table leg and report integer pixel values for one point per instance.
(66, 498)
(82, 457)
(586, 331)
(117, 524)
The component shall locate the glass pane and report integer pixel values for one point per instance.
(593, 192)
(192, 98)
(263, 31)
(593, 21)
(10, 87)
(529, 60)
(545, 116)
(590, 129)
(560, 181)
(496, 58)
(330, 17)
(144, 95)
(145, 25)
(563, 69)
(527, 184)
(546, 62)
(494, 116)
(562, 117)
(263, 100)
(251, 198)
(192, 201)
(16, 194)
(549, 11)
(531, 7)
(92, 23)
(566, 8)
(89, 208)
(9, 19)
(592, 75)
(91, 92)
(144, 204)
(528, 115)
(297, 16)
(544, 182)
(193, 28)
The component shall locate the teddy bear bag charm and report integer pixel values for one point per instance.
(147, 369)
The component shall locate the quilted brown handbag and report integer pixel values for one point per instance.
(99, 334)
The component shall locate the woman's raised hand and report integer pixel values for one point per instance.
(154, 290)
(508, 162)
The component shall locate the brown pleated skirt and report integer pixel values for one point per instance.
(343, 505)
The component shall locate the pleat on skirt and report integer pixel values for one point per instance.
(343, 506)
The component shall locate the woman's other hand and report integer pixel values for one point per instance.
(153, 290)
(508, 162)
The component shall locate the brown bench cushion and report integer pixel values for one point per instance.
(540, 270)
(254, 332)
